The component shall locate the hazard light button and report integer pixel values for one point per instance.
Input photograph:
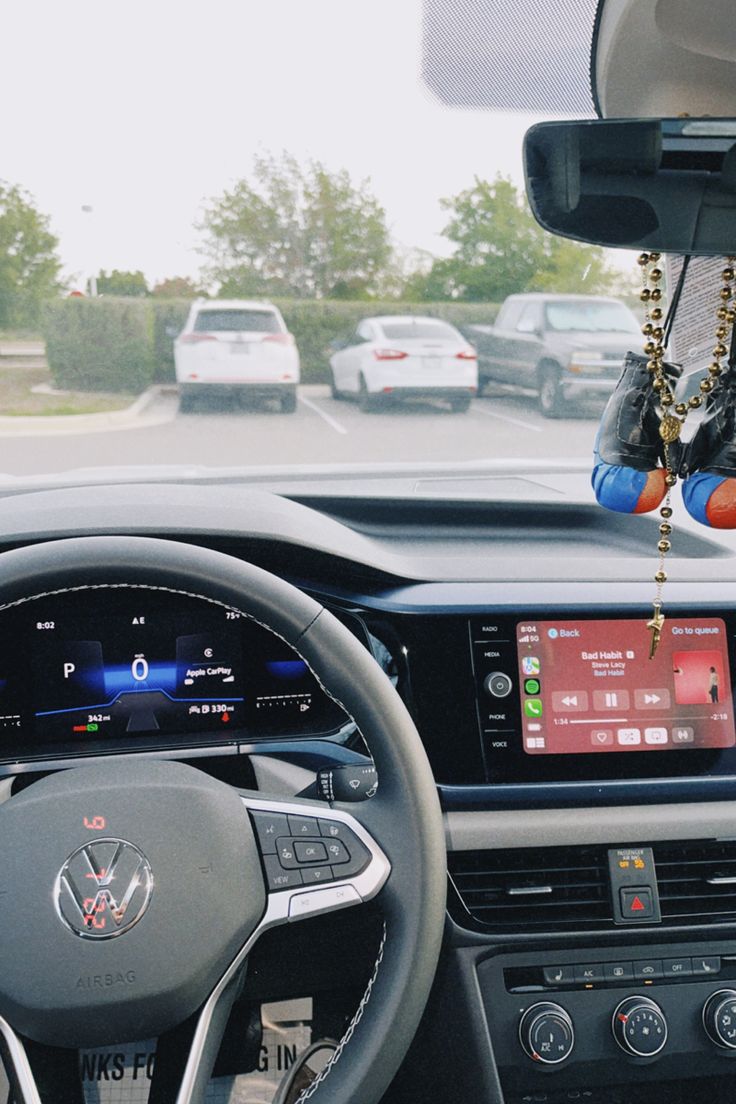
(637, 903)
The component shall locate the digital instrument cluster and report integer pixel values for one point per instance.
(133, 669)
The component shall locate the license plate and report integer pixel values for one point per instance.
(432, 363)
(240, 347)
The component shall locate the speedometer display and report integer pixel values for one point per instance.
(143, 669)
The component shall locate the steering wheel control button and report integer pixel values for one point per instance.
(559, 975)
(648, 969)
(104, 888)
(546, 1033)
(334, 829)
(310, 851)
(639, 1027)
(498, 684)
(322, 900)
(677, 967)
(705, 966)
(352, 857)
(719, 1018)
(303, 826)
(279, 878)
(637, 904)
(269, 826)
(589, 975)
(313, 875)
(286, 855)
(337, 852)
(618, 971)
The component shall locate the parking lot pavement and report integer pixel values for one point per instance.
(323, 430)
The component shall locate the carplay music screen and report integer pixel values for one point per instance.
(589, 687)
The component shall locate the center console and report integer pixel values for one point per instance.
(650, 1014)
(598, 942)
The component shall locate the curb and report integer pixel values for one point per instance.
(38, 425)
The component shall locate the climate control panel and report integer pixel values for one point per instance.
(610, 1023)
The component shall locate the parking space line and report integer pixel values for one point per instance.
(506, 418)
(323, 414)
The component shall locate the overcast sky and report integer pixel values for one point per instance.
(145, 109)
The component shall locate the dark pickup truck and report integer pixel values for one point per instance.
(565, 347)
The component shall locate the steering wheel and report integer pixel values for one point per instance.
(132, 892)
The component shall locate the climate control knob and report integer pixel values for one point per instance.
(546, 1033)
(639, 1027)
(719, 1018)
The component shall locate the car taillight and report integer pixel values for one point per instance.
(466, 354)
(280, 338)
(196, 338)
(389, 354)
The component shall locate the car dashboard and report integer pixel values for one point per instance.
(587, 789)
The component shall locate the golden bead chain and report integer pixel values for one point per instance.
(674, 414)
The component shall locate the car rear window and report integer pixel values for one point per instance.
(424, 331)
(215, 321)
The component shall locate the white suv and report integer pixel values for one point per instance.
(237, 344)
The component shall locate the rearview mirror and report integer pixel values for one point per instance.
(662, 184)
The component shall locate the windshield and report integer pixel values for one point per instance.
(216, 258)
(586, 317)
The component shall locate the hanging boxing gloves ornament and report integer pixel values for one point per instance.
(639, 453)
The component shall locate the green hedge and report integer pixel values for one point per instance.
(125, 344)
(99, 344)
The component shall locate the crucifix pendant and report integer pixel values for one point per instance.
(655, 627)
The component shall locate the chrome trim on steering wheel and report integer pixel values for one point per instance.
(280, 909)
(25, 1082)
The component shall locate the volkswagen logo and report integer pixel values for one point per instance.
(103, 888)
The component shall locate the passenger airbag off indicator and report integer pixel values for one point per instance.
(634, 895)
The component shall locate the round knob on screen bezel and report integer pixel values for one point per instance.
(711, 1012)
(533, 1018)
(507, 684)
(622, 1014)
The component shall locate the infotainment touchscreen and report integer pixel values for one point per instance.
(589, 687)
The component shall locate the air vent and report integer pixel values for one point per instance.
(697, 881)
(540, 889)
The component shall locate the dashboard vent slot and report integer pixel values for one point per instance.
(697, 881)
(540, 889)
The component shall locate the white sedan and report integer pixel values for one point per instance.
(404, 356)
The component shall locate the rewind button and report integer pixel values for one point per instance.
(570, 701)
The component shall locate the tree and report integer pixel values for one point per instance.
(500, 249)
(29, 265)
(119, 282)
(296, 230)
(177, 287)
